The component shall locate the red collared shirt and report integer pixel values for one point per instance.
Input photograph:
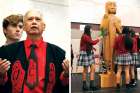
(86, 39)
(41, 55)
(119, 45)
(135, 48)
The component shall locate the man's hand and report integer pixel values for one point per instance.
(4, 66)
(65, 66)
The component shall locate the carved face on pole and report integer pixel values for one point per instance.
(110, 7)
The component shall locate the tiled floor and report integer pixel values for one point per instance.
(77, 84)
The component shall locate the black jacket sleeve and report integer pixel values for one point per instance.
(59, 56)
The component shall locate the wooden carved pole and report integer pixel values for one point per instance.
(110, 25)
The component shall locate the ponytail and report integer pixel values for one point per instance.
(128, 42)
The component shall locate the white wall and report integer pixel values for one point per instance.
(55, 15)
(92, 11)
(9, 7)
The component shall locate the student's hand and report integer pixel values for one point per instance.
(100, 37)
(65, 66)
(4, 66)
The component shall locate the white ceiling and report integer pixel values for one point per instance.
(135, 3)
(57, 2)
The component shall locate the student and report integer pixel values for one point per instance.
(134, 58)
(12, 28)
(123, 46)
(86, 57)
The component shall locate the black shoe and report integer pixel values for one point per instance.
(85, 87)
(128, 86)
(118, 86)
(133, 84)
(92, 87)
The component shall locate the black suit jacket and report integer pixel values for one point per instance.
(55, 55)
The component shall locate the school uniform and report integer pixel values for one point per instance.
(122, 55)
(86, 57)
(135, 52)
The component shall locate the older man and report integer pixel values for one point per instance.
(36, 66)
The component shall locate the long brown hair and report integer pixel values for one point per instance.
(87, 32)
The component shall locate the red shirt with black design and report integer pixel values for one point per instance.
(41, 56)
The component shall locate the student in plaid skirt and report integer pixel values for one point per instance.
(86, 57)
(122, 47)
(134, 58)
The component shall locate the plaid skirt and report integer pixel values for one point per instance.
(85, 59)
(135, 60)
(123, 59)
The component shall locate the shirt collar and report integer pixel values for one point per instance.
(28, 42)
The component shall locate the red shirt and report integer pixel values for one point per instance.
(119, 45)
(41, 55)
(135, 48)
(87, 39)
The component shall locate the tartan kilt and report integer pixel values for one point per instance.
(123, 59)
(135, 60)
(85, 59)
